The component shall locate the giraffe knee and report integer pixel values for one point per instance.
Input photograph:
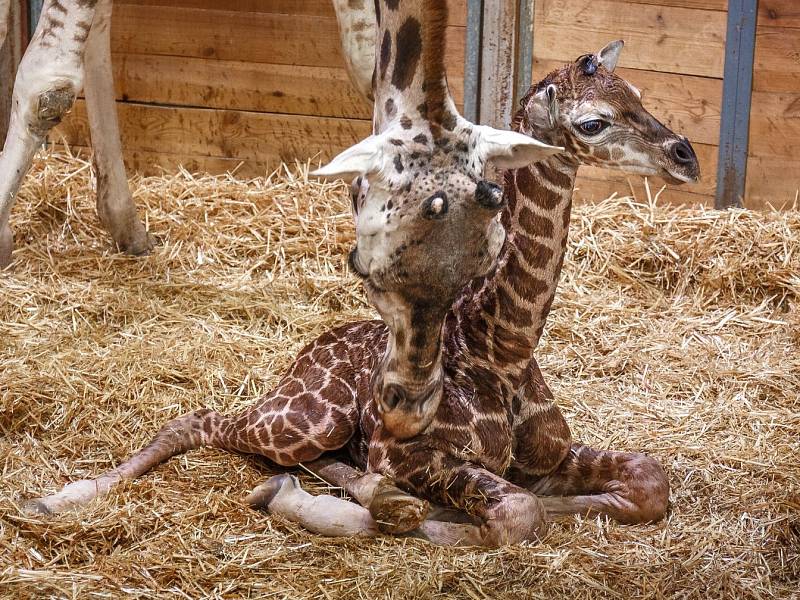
(517, 517)
(53, 104)
(648, 488)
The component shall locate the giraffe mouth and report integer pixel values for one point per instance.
(675, 178)
(352, 262)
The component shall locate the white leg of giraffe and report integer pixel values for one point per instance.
(49, 78)
(357, 31)
(336, 517)
(115, 206)
(394, 510)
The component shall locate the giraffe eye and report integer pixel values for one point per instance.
(592, 127)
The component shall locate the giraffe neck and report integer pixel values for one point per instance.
(500, 318)
(409, 82)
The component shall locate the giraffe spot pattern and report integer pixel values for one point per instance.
(408, 42)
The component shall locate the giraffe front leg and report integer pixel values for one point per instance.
(49, 78)
(115, 206)
(505, 512)
(628, 487)
(330, 516)
(394, 510)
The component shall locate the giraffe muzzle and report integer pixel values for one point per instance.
(406, 414)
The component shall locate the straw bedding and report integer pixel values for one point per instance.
(675, 332)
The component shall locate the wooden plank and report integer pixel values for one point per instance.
(658, 38)
(776, 66)
(772, 181)
(240, 135)
(231, 35)
(319, 8)
(779, 13)
(158, 163)
(595, 190)
(259, 87)
(686, 104)
(721, 5)
(775, 125)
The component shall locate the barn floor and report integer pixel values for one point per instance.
(675, 332)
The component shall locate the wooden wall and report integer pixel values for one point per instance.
(260, 81)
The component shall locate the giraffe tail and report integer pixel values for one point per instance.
(193, 430)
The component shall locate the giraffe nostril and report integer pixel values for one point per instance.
(682, 152)
(489, 195)
(391, 397)
(435, 207)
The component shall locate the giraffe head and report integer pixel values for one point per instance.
(599, 118)
(426, 224)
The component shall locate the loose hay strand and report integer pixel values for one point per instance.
(674, 332)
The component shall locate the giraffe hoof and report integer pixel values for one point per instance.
(395, 511)
(263, 494)
(36, 507)
(140, 245)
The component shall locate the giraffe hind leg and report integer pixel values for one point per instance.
(630, 488)
(312, 410)
(180, 435)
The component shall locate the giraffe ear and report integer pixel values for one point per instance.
(609, 55)
(511, 150)
(363, 158)
(541, 110)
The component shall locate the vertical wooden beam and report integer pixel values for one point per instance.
(498, 51)
(736, 90)
(13, 37)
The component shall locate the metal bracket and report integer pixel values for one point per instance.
(736, 90)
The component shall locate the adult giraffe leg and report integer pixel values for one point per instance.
(49, 78)
(628, 487)
(357, 31)
(115, 206)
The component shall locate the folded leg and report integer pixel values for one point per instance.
(394, 510)
(506, 513)
(330, 516)
(313, 410)
(631, 488)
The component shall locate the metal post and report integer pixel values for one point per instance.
(472, 59)
(34, 12)
(736, 89)
(524, 62)
(499, 59)
(498, 50)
